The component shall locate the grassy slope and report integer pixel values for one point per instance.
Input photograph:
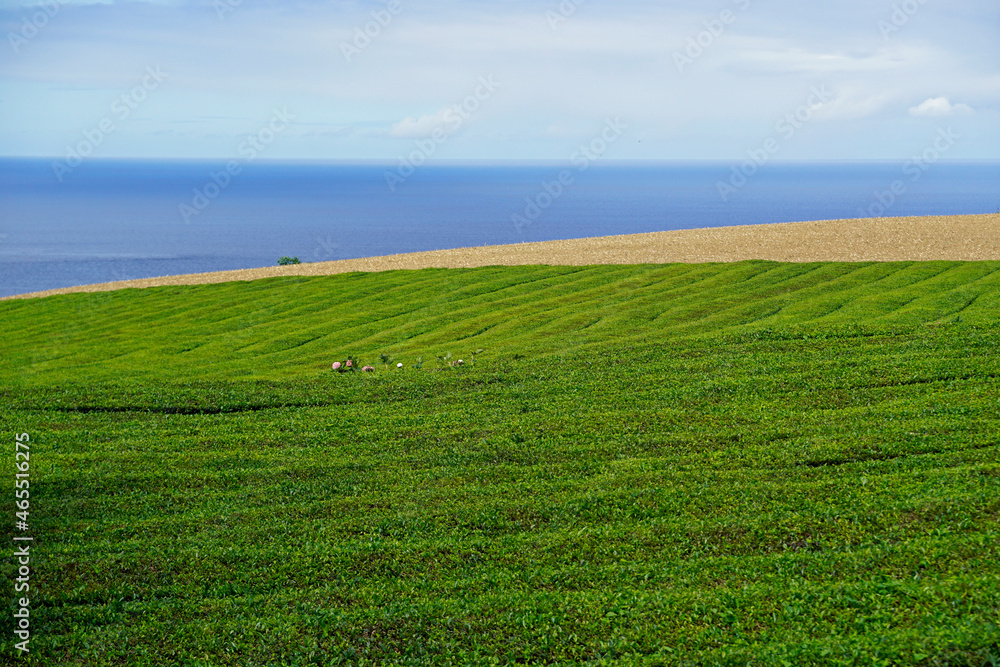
(279, 327)
(649, 465)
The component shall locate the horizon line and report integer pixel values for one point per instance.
(492, 161)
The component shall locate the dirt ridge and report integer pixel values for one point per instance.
(953, 237)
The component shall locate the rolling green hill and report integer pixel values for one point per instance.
(287, 327)
(761, 463)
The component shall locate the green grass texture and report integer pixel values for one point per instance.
(755, 463)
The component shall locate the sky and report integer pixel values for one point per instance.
(500, 79)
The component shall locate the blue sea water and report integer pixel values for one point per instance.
(122, 219)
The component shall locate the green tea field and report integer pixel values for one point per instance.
(686, 464)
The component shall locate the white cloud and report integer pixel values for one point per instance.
(939, 106)
(418, 128)
(563, 129)
(801, 60)
(853, 101)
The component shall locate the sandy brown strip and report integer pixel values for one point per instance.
(954, 237)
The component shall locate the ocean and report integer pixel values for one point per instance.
(105, 220)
